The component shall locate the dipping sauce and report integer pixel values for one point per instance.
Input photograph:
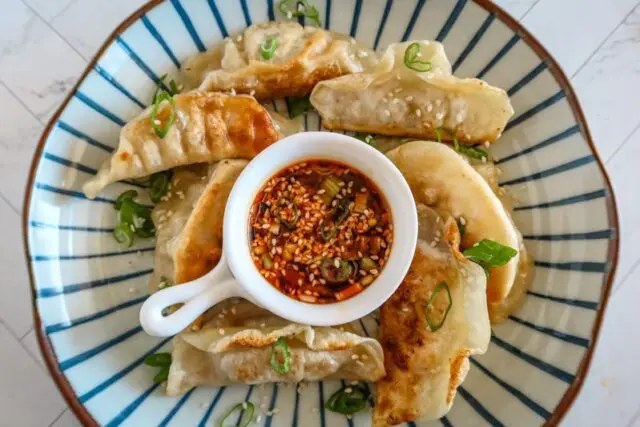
(320, 231)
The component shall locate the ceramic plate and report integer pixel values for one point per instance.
(88, 291)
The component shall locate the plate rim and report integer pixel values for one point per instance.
(569, 396)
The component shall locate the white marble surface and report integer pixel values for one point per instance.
(45, 44)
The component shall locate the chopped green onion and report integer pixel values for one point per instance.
(331, 186)
(434, 325)
(367, 264)
(267, 262)
(489, 254)
(291, 8)
(336, 271)
(298, 105)
(411, 59)
(162, 131)
(159, 185)
(348, 400)
(268, 48)
(244, 420)
(367, 138)
(473, 152)
(341, 211)
(164, 282)
(328, 230)
(160, 360)
(173, 87)
(123, 234)
(161, 376)
(280, 350)
(281, 210)
(131, 194)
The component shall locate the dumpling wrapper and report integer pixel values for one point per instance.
(208, 127)
(425, 368)
(394, 100)
(189, 244)
(442, 179)
(236, 349)
(303, 57)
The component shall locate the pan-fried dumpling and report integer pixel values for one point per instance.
(395, 100)
(443, 180)
(234, 346)
(189, 221)
(231, 343)
(303, 57)
(425, 367)
(208, 127)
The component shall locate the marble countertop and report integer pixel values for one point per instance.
(45, 45)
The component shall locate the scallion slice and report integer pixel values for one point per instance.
(411, 60)
(156, 123)
(131, 194)
(123, 234)
(268, 48)
(367, 138)
(469, 151)
(159, 360)
(298, 105)
(490, 254)
(162, 361)
(159, 185)
(435, 324)
(245, 418)
(348, 400)
(292, 8)
(280, 356)
(173, 87)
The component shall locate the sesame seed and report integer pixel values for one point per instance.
(387, 113)
(409, 98)
(355, 356)
(221, 331)
(418, 113)
(348, 389)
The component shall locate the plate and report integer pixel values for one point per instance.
(87, 291)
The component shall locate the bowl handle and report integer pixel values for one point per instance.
(197, 296)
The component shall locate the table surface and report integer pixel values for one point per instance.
(46, 44)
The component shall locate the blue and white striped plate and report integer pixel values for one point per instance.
(88, 291)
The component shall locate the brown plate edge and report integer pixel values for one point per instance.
(569, 396)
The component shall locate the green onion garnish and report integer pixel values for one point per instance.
(411, 59)
(131, 194)
(246, 417)
(489, 254)
(173, 87)
(280, 351)
(159, 185)
(299, 9)
(298, 105)
(367, 138)
(159, 360)
(473, 152)
(134, 219)
(348, 400)
(123, 234)
(156, 123)
(434, 324)
(162, 361)
(268, 48)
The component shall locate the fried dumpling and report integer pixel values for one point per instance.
(426, 362)
(395, 100)
(189, 244)
(303, 56)
(208, 127)
(443, 180)
(189, 221)
(235, 348)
